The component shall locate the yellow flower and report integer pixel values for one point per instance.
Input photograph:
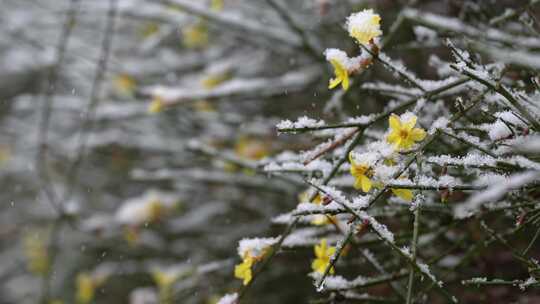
(362, 173)
(318, 219)
(195, 36)
(86, 288)
(155, 210)
(404, 194)
(304, 197)
(323, 253)
(322, 219)
(164, 280)
(35, 249)
(131, 235)
(341, 63)
(404, 134)
(157, 105)
(149, 29)
(203, 106)
(364, 26)
(342, 76)
(216, 5)
(242, 271)
(124, 84)
(214, 80)
(251, 148)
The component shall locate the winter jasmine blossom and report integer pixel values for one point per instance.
(343, 66)
(242, 271)
(321, 219)
(85, 288)
(213, 80)
(404, 194)
(364, 26)
(216, 5)
(251, 251)
(323, 253)
(195, 36)
(403, 135)
(35, 250)
(362, 173)
(251, 148)
(124, 84)
(157, 105)
(165, 278)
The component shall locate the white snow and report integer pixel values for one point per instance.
(228, 299)
(300, 123)
(497, 189)
(255, 246)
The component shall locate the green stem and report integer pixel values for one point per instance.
(413, 251)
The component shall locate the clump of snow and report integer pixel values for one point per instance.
(231, 298)
(255, 246)
(381, 230)
(340, 283)
(363, 119)
(381, 147)
(406, 251)
(530, 281)
(500, 128)
(424, 268)
(300, 123)
(308, 237)
(342, 58)
(360, 202)
(366, 158)
(439, 123)
(316, 165)
(385, 173)
(477, 280)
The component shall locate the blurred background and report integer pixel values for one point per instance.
(131, 130)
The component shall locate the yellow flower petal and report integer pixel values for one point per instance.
(85, 288)
(365, 183)
(243, 270)
(345, 82)
(417, 134)
(157, 105)
(357, 183)
(404, 194)
(318, 266)
(323, 254)
(410, 123)
(392, 137)
(320, 249)
(395, 123)
(320, 219)
(342, 75)
(334, 82)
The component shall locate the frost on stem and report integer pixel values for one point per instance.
(497, 189)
